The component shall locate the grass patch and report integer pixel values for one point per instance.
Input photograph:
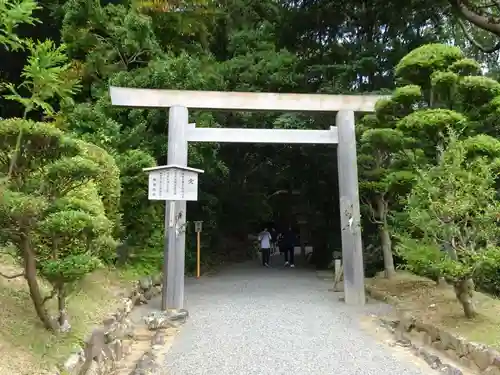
(30, 349)
(438, 306)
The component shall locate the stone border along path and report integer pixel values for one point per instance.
(250, 320)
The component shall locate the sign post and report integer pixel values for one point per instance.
(197, 228)
(173, 184)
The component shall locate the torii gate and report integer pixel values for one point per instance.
(180, 132)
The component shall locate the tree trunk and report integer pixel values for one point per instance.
(464, 290)
(61, 305)
(34, 288)
(385, 239)
(63, 321)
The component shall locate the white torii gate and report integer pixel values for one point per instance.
(180, 132)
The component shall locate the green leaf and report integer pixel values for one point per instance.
(46, 75)
(14, 13)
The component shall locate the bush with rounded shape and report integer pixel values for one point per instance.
(481, 145)
(141, 217)
(443, 89)
(418, 65)
(42, 143)
(475, 91)
(455, 207)
(466, 67)
(108, 181)
(51, 209)
(428, 126)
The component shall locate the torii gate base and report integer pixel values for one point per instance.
(180, 132)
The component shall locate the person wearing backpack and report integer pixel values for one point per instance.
(289, 240)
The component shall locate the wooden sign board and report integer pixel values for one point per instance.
(173, 183)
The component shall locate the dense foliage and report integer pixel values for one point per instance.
(73, 194)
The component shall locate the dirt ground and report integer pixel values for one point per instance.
(438, 305)
(30, 349)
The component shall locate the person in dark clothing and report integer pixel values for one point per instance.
(288, 241)
(274, 240)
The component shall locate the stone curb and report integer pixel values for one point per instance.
(416, 334)
(107, 345)
(152, 361)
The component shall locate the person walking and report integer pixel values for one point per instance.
(289, 240)
(265, 246)
(274, 241)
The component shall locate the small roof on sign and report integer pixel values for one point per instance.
(173, 166)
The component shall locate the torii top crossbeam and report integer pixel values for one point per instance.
(241, 101)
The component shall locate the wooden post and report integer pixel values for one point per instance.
(198, 255)
(352, 248)
(175, 245)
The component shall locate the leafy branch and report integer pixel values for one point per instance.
(14, 13)
(46, 75)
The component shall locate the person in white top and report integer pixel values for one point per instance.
(265, 246)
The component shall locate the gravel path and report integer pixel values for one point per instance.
(250, 320)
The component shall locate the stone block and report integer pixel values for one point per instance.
(427, 339)
(407, 322)
(128, 305)
(452, 354)
(157, 279)
(139, 300)
(495, 361)
(180, 315)
(159, 320)
(450, 370)
(462, 347)
(465, 361)
(149, 294)
(111, 333)
(448, 340)
(95, 344)
(107, 354)
(146, 283)
(158, 338)
(417, 336)
(437, 345)
(109, 322)
(74, 364)
(146, 365)
(492, 370)
(116, 348)
(481, 355)
(156, 290)
(93, 369)
(468, 363)
(126, 347)
(420, 326)
(434, 332)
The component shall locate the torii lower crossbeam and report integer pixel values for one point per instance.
(225, 135)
